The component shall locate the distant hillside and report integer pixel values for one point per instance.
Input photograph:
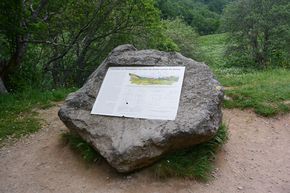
(203, 15)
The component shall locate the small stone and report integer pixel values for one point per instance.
(227, 98)
(240, 188)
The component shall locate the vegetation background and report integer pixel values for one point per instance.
(49, 47)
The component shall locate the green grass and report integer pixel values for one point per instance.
(196, 162)
(82, 147)
(264, 91)
(17, 117)
(212, 48)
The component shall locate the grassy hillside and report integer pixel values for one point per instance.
(267, 91)
(212, 48)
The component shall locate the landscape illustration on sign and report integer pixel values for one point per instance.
(143, 80)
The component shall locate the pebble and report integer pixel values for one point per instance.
(240, 188)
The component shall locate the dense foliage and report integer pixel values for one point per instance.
(202, 15)
(259, 33)
(58, 43)
(183, 36)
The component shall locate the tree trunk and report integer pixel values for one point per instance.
(3, 89)
(15, 60)
(80, 62)
(19, 43)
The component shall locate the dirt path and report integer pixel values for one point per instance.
(255, 160)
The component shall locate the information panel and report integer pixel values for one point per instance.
(140, 92)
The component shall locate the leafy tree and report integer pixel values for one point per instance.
(203, 15)
(107, 24)
(183, 36)
(59, 42)
(259, 32)
(215, 5)
(20, 23)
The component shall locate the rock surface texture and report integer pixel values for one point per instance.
(128, 144)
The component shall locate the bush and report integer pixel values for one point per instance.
(183, 36)
(259, 33)
(203, 16)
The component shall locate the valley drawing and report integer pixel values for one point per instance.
(143, 80)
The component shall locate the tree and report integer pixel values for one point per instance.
(215, 5)
(64, 39)
(259, 32)
(195, 13)
(183, 36)
(107, 24)
(20, 23)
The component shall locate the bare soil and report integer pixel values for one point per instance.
(256, 159)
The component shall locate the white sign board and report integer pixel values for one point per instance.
(140, 92)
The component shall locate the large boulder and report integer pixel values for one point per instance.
(131, 143)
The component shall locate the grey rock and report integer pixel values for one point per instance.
(127, 143)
